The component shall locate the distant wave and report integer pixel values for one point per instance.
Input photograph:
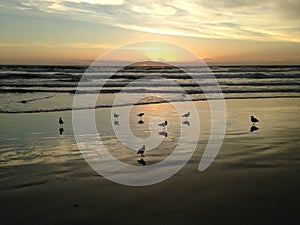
(133, 76)
(59, 76)
(140, 103)
(82, 69)
(142, 90)
(36, 85)
(44, 68)
(158, 84)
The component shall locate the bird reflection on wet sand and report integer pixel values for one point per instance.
(186, 123)
(163, 133)
(142, 161)
(253, 128)
(61, 130)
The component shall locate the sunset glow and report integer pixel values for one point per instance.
(219, 32)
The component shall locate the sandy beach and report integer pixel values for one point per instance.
(253, 180)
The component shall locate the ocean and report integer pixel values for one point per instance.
(50, 88)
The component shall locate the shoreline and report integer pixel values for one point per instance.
(149, 103)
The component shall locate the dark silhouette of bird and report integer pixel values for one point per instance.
(254, 120)
(164, 124)
(116, 123)
(61, 130)
(186, 115)
(116, 115)
(141, 151)
(142, 161)
(186, 123)
(163, 133)
(253, 128)
(60, 121)
(140, 121)
(141, 115)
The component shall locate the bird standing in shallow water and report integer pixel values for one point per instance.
(60, 121)
(164, 124)
(116, 115)
(140, 115)
(254, 120)
(141, 151)
(141, 118)
(186, 115)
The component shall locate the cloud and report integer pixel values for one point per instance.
(153, 9)
(268, 20)
(66, 45)
(208, 58)
(99, 2)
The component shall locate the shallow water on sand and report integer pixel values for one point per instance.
(36, 162)
(33, 140)
(274, 144)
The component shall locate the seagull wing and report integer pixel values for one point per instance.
(142, 149)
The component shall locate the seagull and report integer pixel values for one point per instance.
(116, 115)
(60, 121)
(164, 124)
(254, 120)
(186, 115)
(141, 115)
(141, 151)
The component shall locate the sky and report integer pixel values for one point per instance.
(217, 31)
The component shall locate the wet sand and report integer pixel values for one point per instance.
(253, 180)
